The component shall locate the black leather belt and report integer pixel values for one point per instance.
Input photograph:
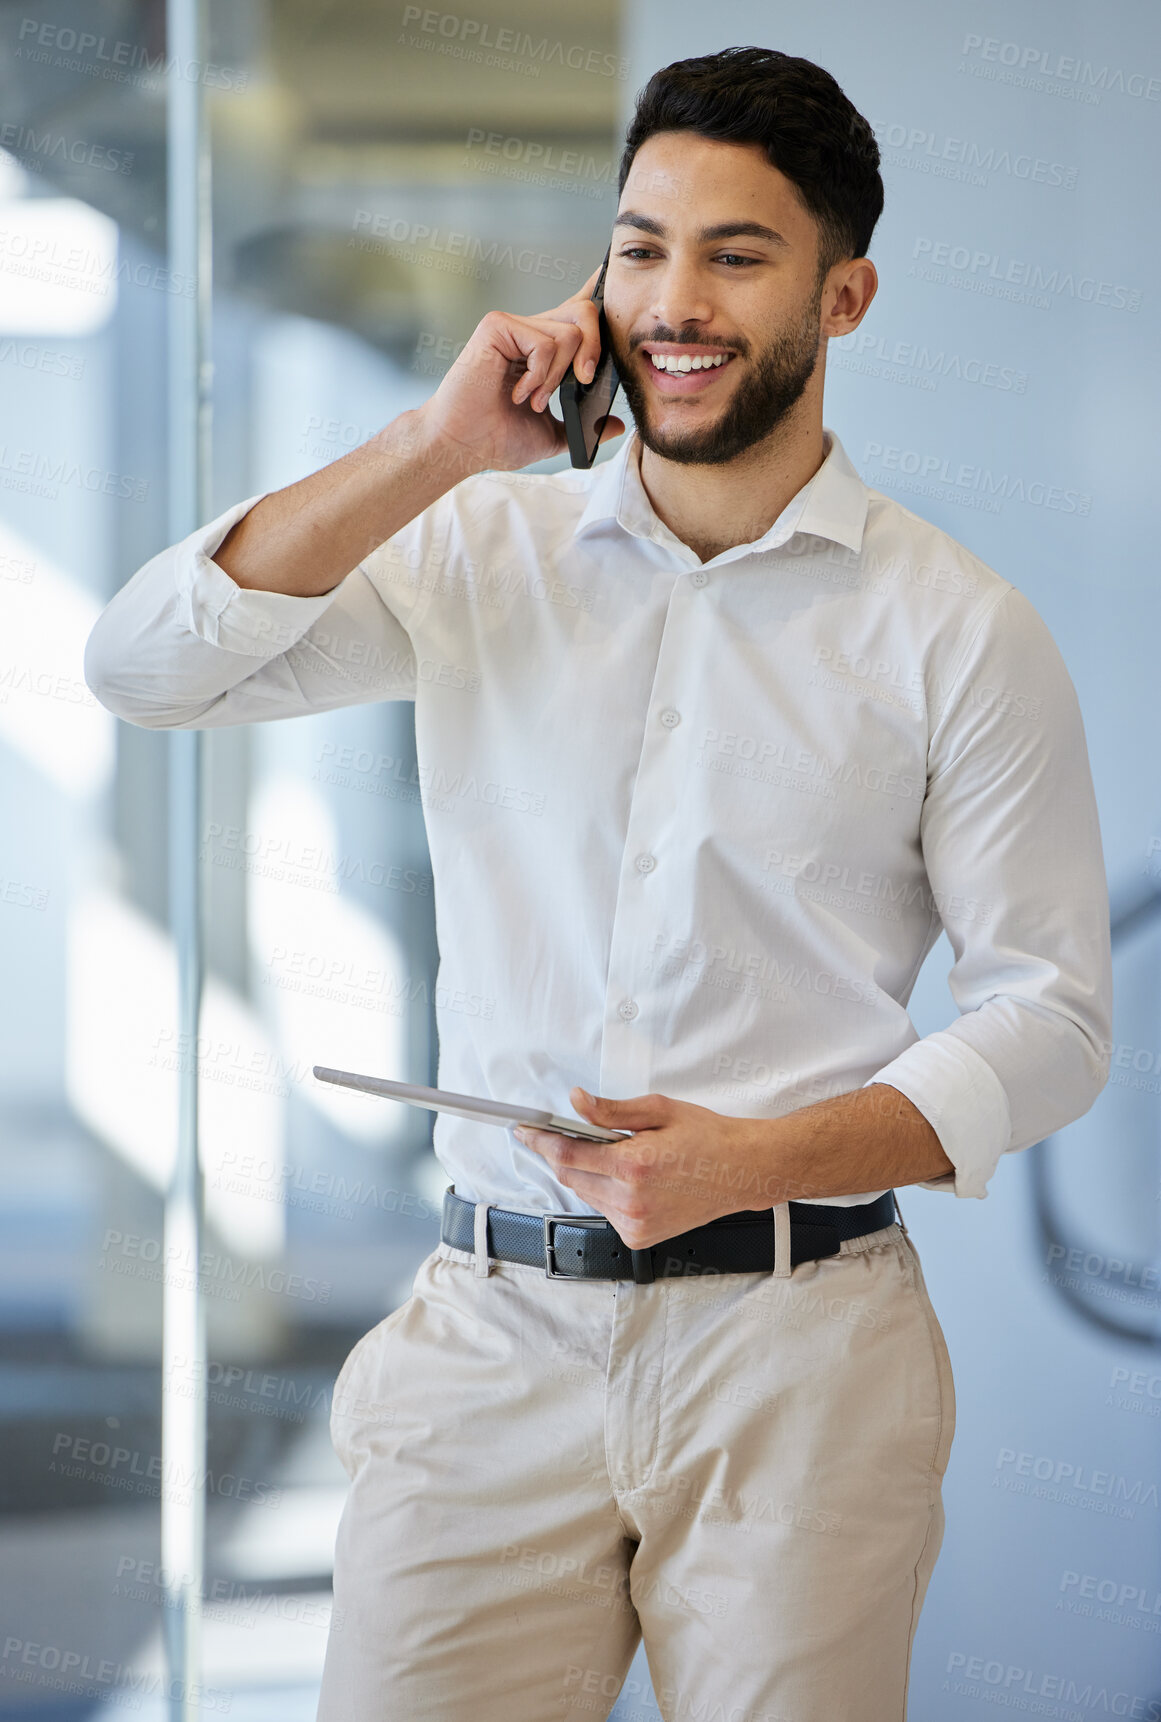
(577, 1246)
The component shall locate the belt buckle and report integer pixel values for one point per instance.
(550, 1220)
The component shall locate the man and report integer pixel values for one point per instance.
(744, 736)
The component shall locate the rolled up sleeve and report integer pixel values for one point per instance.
(182, 646)
(1012, 847)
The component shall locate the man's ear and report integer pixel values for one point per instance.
(849, 293)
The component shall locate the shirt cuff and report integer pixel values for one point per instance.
(962, 1099)
(238, 619)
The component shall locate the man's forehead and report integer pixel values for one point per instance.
(669, 166)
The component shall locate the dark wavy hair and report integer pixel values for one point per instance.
(809, 129)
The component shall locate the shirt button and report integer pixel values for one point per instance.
(628, 1009)
(670, 718)
(645, 863)
(699, 577)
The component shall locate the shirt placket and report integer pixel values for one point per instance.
(643, 903)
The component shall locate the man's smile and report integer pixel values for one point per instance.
(683, 369)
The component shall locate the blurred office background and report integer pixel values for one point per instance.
(382, 177)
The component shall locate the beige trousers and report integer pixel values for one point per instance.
(745, 1469)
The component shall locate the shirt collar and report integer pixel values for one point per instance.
(832, 504)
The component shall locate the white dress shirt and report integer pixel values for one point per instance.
(695, 827)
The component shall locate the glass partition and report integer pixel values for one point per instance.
(376, 188)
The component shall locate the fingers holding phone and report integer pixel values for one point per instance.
(587, 393)
(491, 409)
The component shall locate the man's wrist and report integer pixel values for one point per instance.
(750, 1170)
(870, 1138)
(417, 437)
(767, 1152)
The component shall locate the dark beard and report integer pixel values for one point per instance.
(774, 385)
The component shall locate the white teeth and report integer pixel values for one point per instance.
(677, 363)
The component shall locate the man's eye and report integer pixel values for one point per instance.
(733, 258)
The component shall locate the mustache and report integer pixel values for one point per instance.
(661, 334)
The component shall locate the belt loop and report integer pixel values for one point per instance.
(782, 1266)
(899, 1214)
(483, 1266)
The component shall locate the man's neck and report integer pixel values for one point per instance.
(714, 508)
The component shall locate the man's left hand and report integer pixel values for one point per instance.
(682, 1167)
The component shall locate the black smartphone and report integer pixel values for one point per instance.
(586, 406)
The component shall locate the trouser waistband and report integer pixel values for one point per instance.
(579, 1246)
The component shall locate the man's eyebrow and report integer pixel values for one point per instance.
(720, 230)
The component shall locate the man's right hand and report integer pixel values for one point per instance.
(304, 540)
(491, 409)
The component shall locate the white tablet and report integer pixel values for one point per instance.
(468, 1105)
